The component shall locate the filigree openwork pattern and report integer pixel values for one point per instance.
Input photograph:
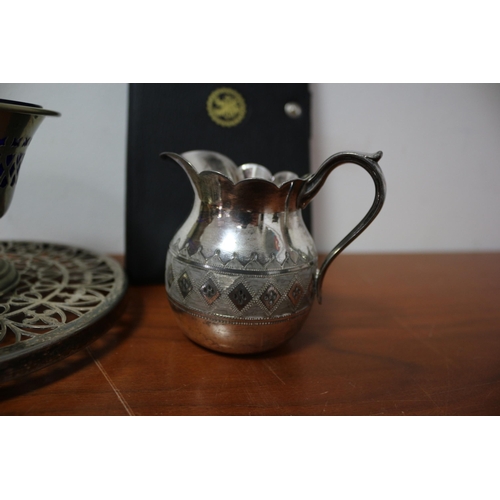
(61, 289)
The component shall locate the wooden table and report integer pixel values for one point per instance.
(396, 335)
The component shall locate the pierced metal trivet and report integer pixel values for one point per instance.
(59, 305)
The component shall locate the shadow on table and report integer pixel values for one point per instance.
(129, 317)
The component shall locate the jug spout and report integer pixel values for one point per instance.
(187, 167)
(203, 162)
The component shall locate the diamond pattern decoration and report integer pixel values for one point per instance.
(170, 275)
(210, 292)
(295, 293)
(240, 296)
(235, 292)
(270, 297)
(310, 290)
(185, 284)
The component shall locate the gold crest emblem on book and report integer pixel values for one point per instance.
(226, 107)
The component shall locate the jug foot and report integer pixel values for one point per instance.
(237, 336)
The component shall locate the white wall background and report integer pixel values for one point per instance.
(441, 160)
(71, 186)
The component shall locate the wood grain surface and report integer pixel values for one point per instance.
(395, 335)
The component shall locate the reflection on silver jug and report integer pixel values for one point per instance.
(242, 271)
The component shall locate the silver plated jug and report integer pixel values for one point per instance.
(242, 271)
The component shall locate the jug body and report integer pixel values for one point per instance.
(242, 272)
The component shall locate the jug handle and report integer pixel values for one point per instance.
(314, 183)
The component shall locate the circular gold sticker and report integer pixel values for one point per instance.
(226, 107)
